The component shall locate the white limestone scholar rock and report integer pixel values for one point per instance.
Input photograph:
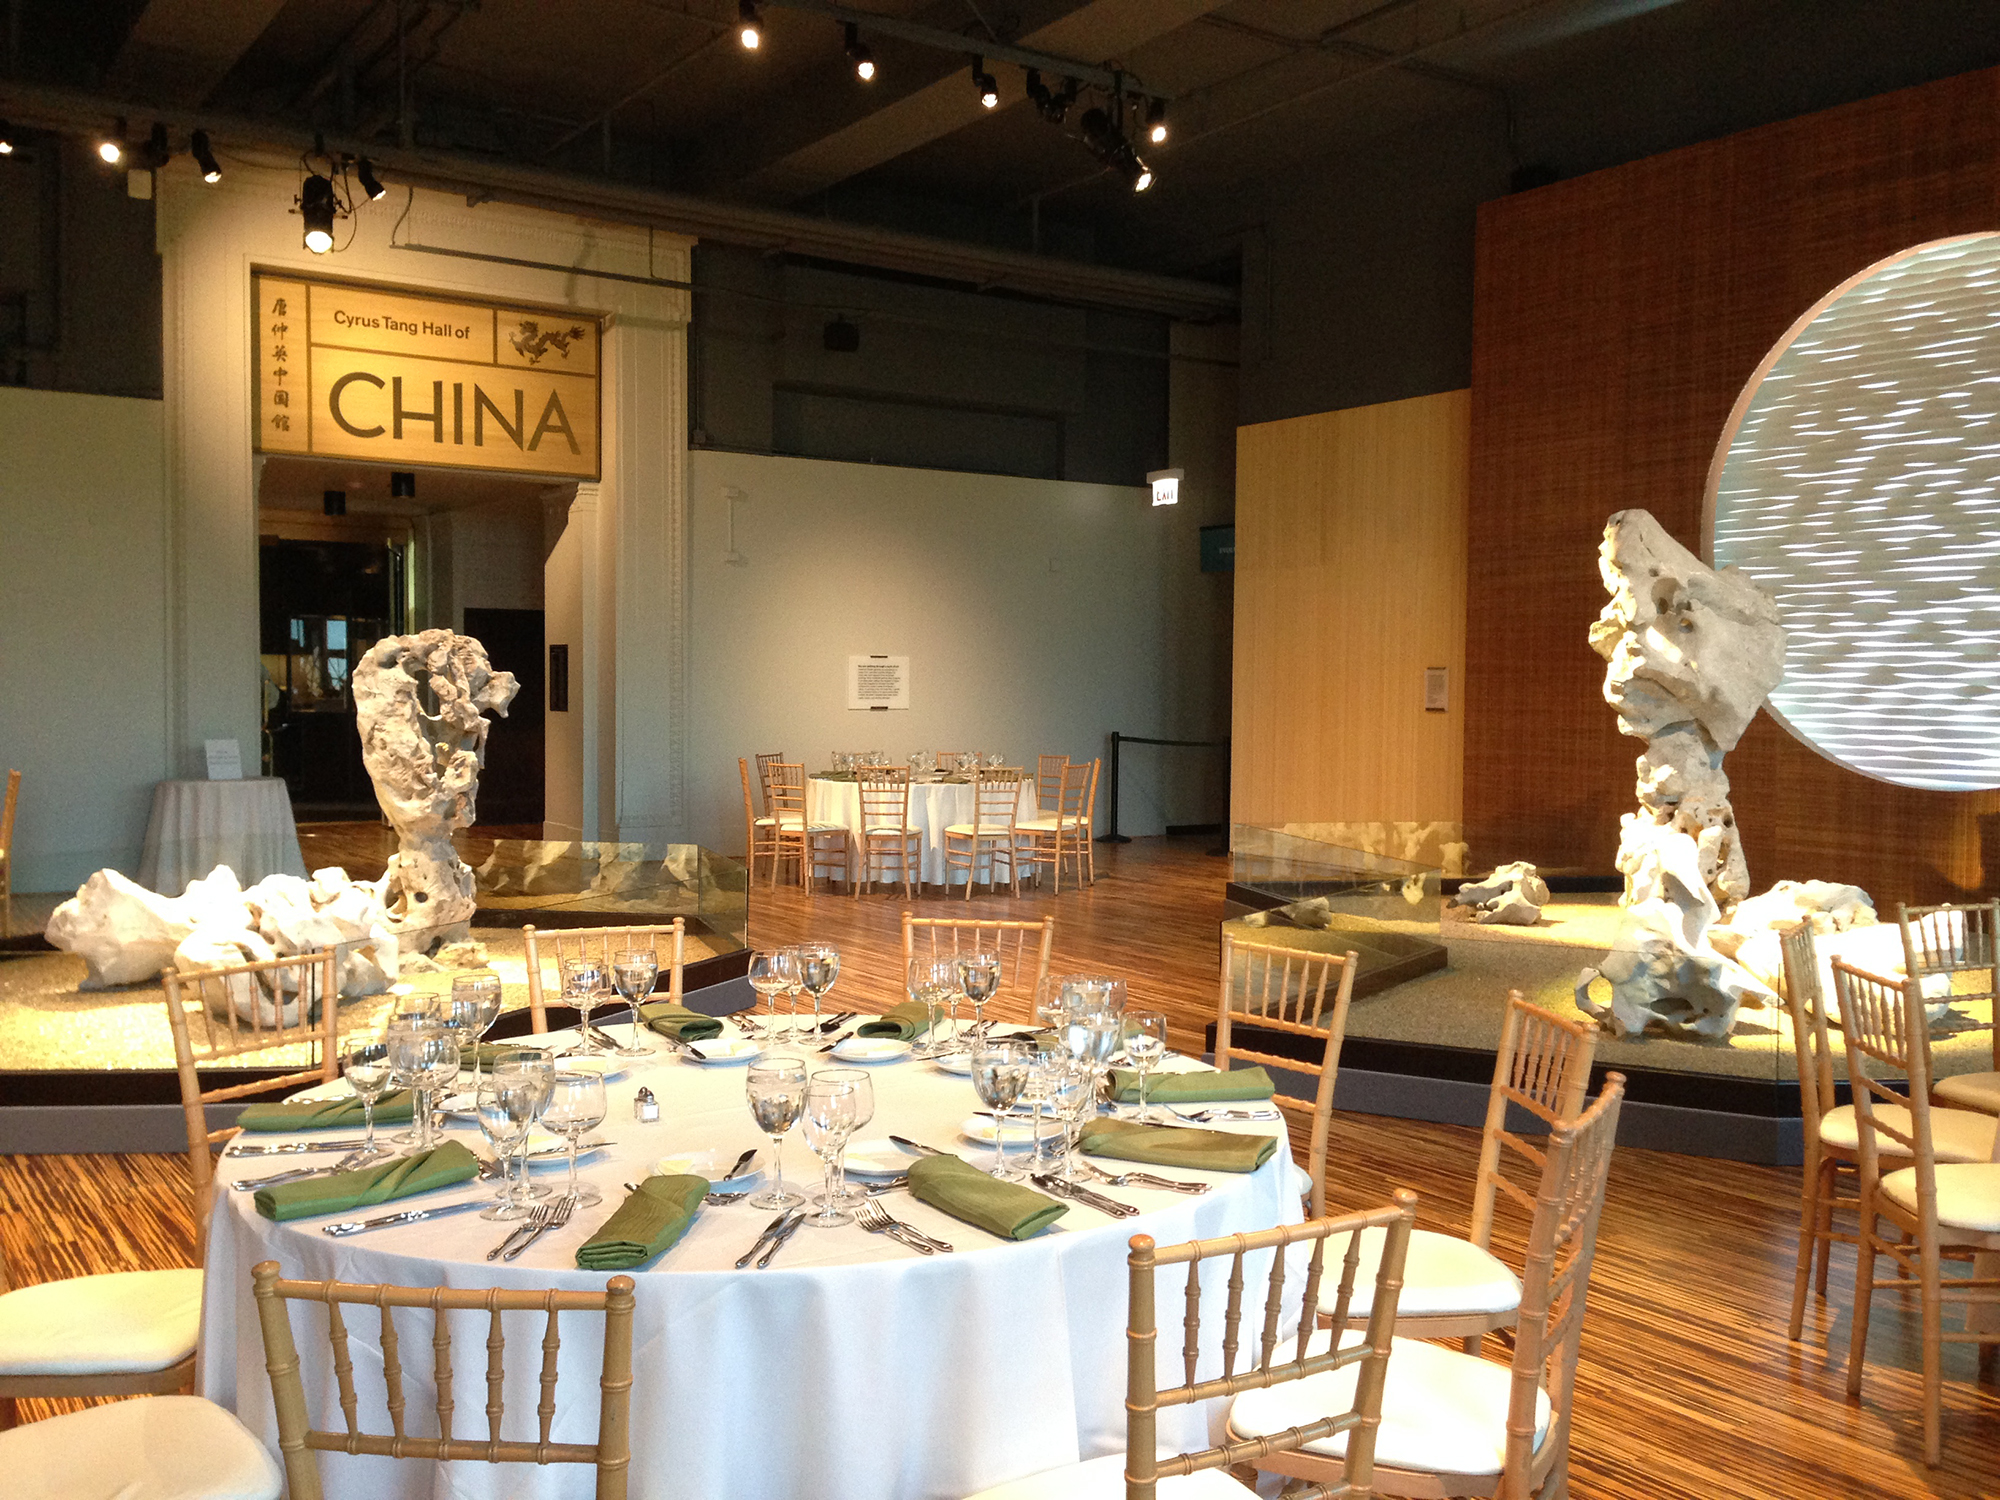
(425, 766)
(1513, 895)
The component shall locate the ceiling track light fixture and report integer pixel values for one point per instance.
(859, 55)
(989, 88)
(1156, 121)
(749, 30)
(1106, 139)
(204, 157)
(156, 153)
(6, 139)
(111, 148)
(364, 173)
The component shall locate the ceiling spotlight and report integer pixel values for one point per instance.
(1143, 178)
(111, 148)
(1156, 121)
(6, 139)
(1107, 142)
(749, 30)
(364, 173)
(859, 55)
(316, 207)
(989, 91)
(204, 157)
(1049, 105)
(157, 153)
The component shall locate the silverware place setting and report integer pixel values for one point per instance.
(1144, 1179)
(1058, 1188)
(876, 1219)
(559, 1211)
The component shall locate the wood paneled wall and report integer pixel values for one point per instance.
(1350, 581)
(1616, 319)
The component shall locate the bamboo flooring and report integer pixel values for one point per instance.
(1687, 1390)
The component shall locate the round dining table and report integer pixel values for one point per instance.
(934, 807)
(851, 1367)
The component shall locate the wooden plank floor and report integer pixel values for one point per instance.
(1689, 1389)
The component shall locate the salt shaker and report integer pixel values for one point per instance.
(645, 1107)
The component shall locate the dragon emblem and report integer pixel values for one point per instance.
(531, 342)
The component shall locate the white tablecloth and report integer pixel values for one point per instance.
(934, 806)
(197, 825)
(851, 1368)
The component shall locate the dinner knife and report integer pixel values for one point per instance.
(1083, 1195)
(770, 1229)
(407, 1216)
(292, 1148)
(922, 1150)
(783, 1238)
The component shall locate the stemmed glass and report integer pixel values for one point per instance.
(1145, 1044)
(770, 976)
(634, 975)
(367, 1069)
(509, 1101)
(583, 979)
(845, 1193)
(795, 983)
(777, 1092)
(1073, 1093)
(999, 1073)
(428, 1058)
(833, 1107)
(932, 981)
(474, 1006)
(979, 977)
(576, 1107)
(818, 972)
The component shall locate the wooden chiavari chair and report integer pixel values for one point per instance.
(815, 846)
(666, 943)
(1832, 1134)
(7, 854)
(1022, 947)
(886, 831)
(299, 1440)
(1961, 939)
(1048, 783)
(1349, 1379)
(1090, 827)
(1284, 990)
(1063, 833)
(1452, 1423)
(950, 762)
(996, 800)
(1935, 1207)
(760, 834)
(1458, 1288)
(764, 763)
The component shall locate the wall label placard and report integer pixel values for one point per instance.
(349, 370)
(878, 682)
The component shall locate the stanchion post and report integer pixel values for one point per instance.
(1114, 836)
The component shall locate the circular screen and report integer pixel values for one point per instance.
(1858, 481)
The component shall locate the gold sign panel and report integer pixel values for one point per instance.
(346, 370)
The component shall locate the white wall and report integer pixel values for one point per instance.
(83, 629)
(1038, 615)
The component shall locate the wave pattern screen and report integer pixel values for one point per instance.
(1862, 489)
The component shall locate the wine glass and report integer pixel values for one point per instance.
(1145, 1044)
(634, 975)
(404, 1039)
(931, 981)
(846, 1193)
(508, 1102)
(541, 1068)
(999, 1073)
(832, 1105)
(582, 979)
(576, 1107)
(409, 1007)
(818, 972)
(777, 1091)
(429, 1058)
(367, 1069)
(978, 978)
(475, 1002)
(770, 975)
(1073, 1092)
(795, 983)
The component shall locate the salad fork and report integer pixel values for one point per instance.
(538, 1219)
(559, 1212)
(876, 1219)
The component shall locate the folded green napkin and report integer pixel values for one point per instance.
(904, 1022)
(1204, 1087)
(486, 1052)
(647, 1224)
(404, 1177)
(963, 1191)
(327, 1114)
(1177, 1146)
(678, 1022)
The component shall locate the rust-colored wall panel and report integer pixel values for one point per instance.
(1616, 318)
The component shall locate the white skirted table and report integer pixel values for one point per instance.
(934, 807)
(852, 1369)
(197, 825)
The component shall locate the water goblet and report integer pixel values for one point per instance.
(633, 975)
(830, 1111)
(931, 982)
(999, 1073)
(508, 1101)
(1145, 1044)
(367, 1069)
(818, 972)
(770, 974)
(1073, 1093)
(404, 1038)
(583, 978)
(795, 983)
(777, 1091)
(845, 1193)
(475, 998)
(540, 1069)
(575, 1108)
(408, 1007)
(979, 978)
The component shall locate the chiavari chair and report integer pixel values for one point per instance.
(666, 943)
(886, 831)
(765, 761)
(299, 1441)
(1090, 827)
(1350, 1378)
(7, 853)
(1458, 1288)
(1065, 833)
(1955, 940)
(1284, 990)
(1048, 783)
(760, 834)
(951, 762)
(1935, 1207)
(1452, 1423)
(996, 798)
(815, 846)
(1022, 947)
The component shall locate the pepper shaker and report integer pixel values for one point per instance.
(645, 1107)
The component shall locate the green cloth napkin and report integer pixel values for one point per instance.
(327, 1114)
(963, 1191)
(646, 1225)
(678, 1022)
(404, 1177)
(1204, 1087)
(904, 1022)
(486, 1053)
(1177, 1146)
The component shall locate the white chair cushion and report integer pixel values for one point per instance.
(1968, 1194)
(1956, 1134)
(1104, 1479)
(1442, 1274)
(984, 830)
(890, 831)
(766, 822)
(1980, 1091)
(124, 1322)
(1049, 825)
(1442, 1411)
(151, 1448)
(1302, 1180)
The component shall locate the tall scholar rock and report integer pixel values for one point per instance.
(421, 702)
(1691, 654)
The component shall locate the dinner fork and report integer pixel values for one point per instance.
(1142, 1179)
(297, 1174)
(538, 1218)
(559, 1214)
(876, 1219)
